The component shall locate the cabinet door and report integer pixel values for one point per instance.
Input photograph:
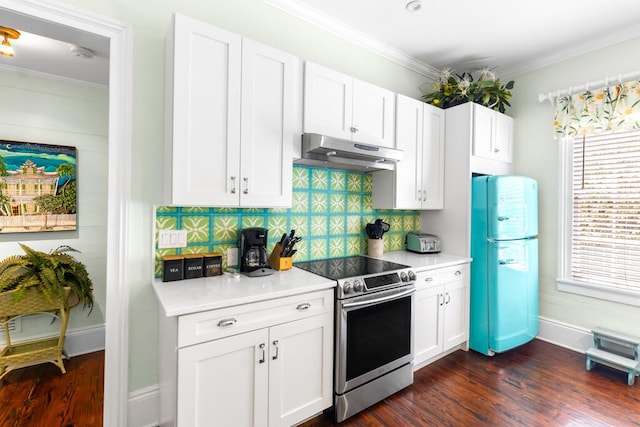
(373, 114)
(428, 322)
(224, 382)
(301, 369)
(328, 97)
(408, 173)
(456, 309)
(270, 80)
(206, 114)
(483, 131)
(432, 195)
(503, 138)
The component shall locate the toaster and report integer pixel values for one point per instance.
(422, 243)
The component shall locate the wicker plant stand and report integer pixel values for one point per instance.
(15, 356)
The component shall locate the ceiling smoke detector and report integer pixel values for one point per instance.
(81, 52)
(413, 5)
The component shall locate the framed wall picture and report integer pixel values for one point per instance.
(37, 187)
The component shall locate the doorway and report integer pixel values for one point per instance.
(119, 37)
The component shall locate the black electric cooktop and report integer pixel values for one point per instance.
(353, 266)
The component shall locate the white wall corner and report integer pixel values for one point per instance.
(143, 407)
(564, 334)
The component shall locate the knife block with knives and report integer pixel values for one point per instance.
(281, 257)
(278, 262)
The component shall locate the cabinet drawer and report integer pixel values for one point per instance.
(439, 276)
(214, 324)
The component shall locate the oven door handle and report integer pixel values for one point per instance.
(377, 300)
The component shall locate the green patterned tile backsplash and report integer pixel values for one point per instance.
(330, 209)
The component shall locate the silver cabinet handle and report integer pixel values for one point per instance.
(275, 344)
(441, 299)
(428, 279)
(495, 150)
(303, 306)
(233, 180)
(353, 129)
(224, 323)
(458, 272)
(448, 298)
(246, 185)
(262, 348)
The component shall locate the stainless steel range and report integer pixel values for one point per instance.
(373, 329)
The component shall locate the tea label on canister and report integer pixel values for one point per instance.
(172, 268)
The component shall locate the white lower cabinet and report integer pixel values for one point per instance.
(277, 375)
(442, 311)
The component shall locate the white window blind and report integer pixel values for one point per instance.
(605, 229)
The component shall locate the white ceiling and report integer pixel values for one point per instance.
(44, 47)
(511, 36)
(508, 35)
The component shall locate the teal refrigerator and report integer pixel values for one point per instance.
(504, 270)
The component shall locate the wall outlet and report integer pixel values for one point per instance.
(172, 239)
(232, 257)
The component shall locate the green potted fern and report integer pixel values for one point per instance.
(38, 282)
(54, 275)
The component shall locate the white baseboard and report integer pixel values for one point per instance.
(84, 340)
(143, 407)
(564, 335)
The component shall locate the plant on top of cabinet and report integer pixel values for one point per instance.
(451, 89)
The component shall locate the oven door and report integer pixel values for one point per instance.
(374, 335)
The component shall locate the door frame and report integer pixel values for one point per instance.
(120, 37)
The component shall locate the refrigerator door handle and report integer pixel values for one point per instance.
(503, 218)
(506, 261)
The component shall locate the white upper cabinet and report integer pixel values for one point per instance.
(492, 134)
(338, 105)
(233, 117)
(418, 180)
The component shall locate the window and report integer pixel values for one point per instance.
(599, 207)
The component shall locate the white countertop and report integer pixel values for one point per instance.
(208, 293)
(423, 262)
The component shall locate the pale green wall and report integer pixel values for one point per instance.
(251, 18)
(35, 109)
(536, 155)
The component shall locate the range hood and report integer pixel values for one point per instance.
(336, 153)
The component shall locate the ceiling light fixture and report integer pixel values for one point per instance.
(413, 5)
(8, 33)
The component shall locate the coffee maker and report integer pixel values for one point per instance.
(253, 252)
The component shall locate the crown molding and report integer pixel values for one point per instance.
(348, 33)
(46, 76)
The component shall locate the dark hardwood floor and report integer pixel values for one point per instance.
(40, 396)
(538, 384)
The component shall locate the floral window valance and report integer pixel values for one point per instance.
(595, 111)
